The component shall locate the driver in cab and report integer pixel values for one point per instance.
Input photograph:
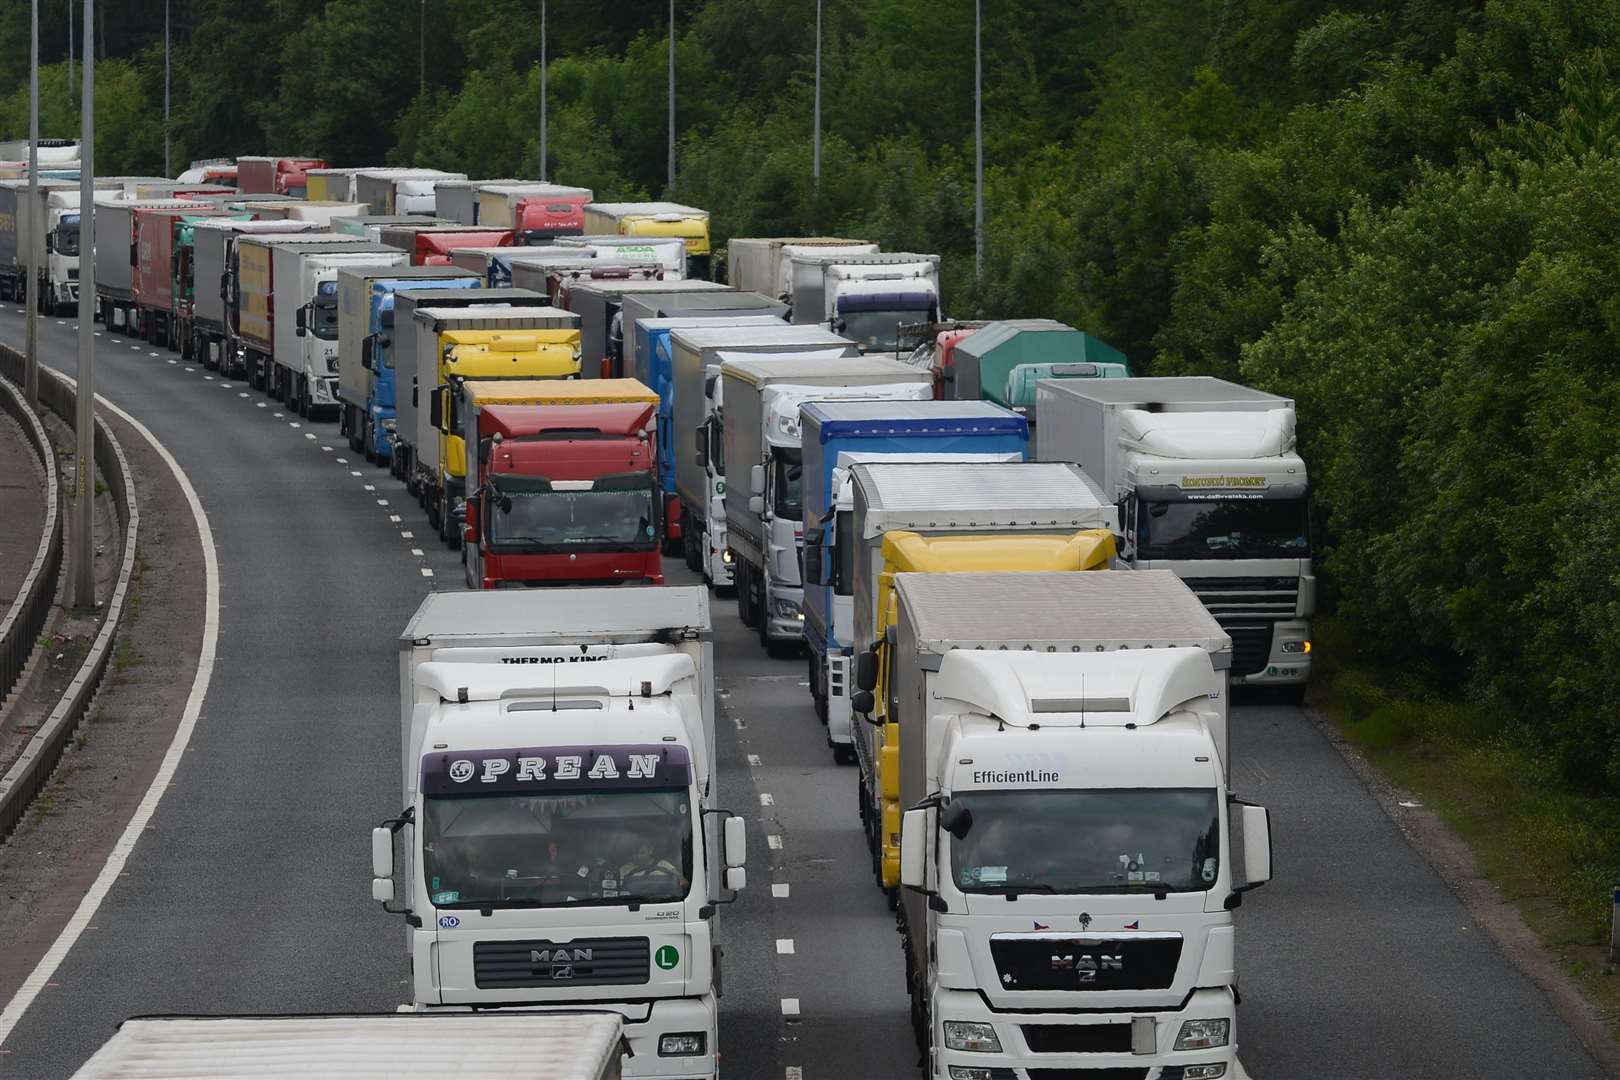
(646, 867)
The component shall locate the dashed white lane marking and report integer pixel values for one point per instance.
(779, 890)
(417, 552)
(276, 415)
(795, 1072)
(407, 535)
(773, 842)
(394, 518)
(382, 502)
(742, 725)
(767, 799)
(243, 393)
(40, 978)
(784, 946)
(294, 424)
(260, 404)
(310, 435)
(753, 760)
(371, 487)
(171, 361)
(206, 378)
(354, 472)
(790, 1007)
(426, 572)
(328, 449)
(342, 461)
(188, 370)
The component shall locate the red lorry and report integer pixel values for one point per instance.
(275, 175)
(153, 268)
(567, 495)
(431, 245)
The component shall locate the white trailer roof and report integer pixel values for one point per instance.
(1168, 390)
(724, 337)
(965, 496)
(402, 1046)
(556, 614)
(762, 370)
(1061, 612)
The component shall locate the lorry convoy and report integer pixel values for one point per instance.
(1029, 662)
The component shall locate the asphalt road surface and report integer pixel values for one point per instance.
(250, 891)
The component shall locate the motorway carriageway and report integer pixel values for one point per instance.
(249, 891)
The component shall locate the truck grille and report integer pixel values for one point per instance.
(1247, 597)
(73, 273)
(499, 965)
(1128, 1073)
(1251, 646)
(1086, 962)
(1078, 1038)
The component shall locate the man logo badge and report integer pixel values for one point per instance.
(561, 961)
(461, 770)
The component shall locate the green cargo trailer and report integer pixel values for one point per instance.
(1002, 361)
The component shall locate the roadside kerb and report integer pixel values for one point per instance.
(25, 619)
(29, 774)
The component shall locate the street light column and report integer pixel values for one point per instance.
(84, 540)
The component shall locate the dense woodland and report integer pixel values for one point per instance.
(1403, 213)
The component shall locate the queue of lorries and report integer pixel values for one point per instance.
(1024, 584)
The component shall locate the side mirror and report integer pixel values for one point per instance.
(862, 702)
(914, 849)
(756, 480)
(700, 445)
(812, 557)
(1256, 846)
(866, 671)
(756, 504)
(956, 819)
(436, 408)
(366, 344)
(736, 879)
(224, 287)
(382, 854)
(736, 843)
(300, 321)
(134, 252)
(470, 516)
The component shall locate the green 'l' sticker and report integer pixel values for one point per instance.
(667, 957)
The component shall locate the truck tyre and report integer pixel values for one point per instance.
(689, 547)
(843, 754)
(745, 593)
(818, 689)
(761, 602)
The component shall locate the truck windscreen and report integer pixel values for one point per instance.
(877, 331)
(1164, 840)
(66, 238)
(617, 513)
(578, 848)
(844, 548)
(1223, 528)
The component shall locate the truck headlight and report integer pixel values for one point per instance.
(726, 556)
(682, 1044)
(1296, 647)
(972, 1035)
(786, 609)
(389, 425)
(1204, 1034)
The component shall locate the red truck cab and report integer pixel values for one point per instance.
(433, 246)
(275, 175)
(567, 494)
(538, 219)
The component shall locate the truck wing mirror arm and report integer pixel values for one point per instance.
(382, 865)
(1255, 828)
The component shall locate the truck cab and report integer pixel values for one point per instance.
(867, 298)
(1067, 751)
(484, 355)
(1209, 484)
(62, 251)
(561, 844)
(656, 219)
(566, 484)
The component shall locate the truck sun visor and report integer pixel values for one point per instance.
(550, 769)
(891, 301)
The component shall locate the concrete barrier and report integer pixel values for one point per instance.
(19, 631)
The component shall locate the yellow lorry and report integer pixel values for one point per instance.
(906, 552)
(655, 219)
(463, 356)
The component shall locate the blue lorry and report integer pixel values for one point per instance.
(835, 435)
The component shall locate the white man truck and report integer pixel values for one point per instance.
(1209, 484)
(765, 506)
(1070, 854)
(584, 1045)
(764, 264)
(54, 214)
(562, 847)
(866, 298)
(700, 467)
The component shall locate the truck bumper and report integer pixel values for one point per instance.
(785, 620)
(1055, 1032)
(645, 1024)
(67, 292)
(1289, 663)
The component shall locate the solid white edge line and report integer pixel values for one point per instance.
(119, 856)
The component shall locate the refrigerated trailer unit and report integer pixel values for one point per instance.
(214, 267)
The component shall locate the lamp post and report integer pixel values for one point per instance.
(84, 540)
(543, 128)
(672, 97)
(978, 148)
(815, 166)
(31, 347)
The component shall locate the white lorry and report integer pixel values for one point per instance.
(764, 264)
(1210, 485)
(561, 841)
(765, 506)
(214, 266)
(700, 469)
(668, 252)
(584, 1045)
(54, 215)
(866, 298)
(306, 321)
(400, 191)
(1069, 851)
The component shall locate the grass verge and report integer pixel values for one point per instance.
(1553, 852)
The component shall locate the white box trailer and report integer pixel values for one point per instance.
(306, 319)
(213, 247)
(574, 1045)
(113, 230)
(668, 251)
(765, 263)
(458, 199)
(400, 191)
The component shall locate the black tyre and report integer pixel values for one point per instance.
(843, 754)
